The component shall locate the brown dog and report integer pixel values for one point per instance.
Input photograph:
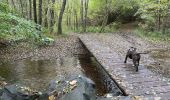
(132, 54)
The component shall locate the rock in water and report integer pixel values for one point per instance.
(79, 88)
(17, 92)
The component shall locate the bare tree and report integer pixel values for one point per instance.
(61, 16)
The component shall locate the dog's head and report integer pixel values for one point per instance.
(132, 49)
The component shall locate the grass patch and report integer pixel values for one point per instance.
(96, 29)
(153, 36)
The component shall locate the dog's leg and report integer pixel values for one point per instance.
(136, 64)
(126, 58)
(138, 60)
(137, 68)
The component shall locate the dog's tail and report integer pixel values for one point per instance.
(143, 52)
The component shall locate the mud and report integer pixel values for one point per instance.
(162, 62)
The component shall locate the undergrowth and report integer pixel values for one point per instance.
(13, 27)
(98, 29)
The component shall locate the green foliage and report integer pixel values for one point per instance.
(92, 29)
(97, 29)
(15, 28)
(119, 10)
(4, 8)
(149, 11)
(125, 9)
(45, 41)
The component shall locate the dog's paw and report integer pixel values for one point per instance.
(136, 69)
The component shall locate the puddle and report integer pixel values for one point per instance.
(38, 74)
(162, 64)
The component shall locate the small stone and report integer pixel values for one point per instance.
(51, 97)
(109, 95)
(147, 92)
(73, 82)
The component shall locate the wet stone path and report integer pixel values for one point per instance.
(143, 83)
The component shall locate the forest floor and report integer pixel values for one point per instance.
(62, 46)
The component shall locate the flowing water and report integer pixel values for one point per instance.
(37, 74)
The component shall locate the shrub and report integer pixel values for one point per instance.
(13, 27)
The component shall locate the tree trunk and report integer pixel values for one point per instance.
(60, 17)
(52, 16)
(7, 2)
(164, 26)
(40, 12)
(27, 13)
(13, 4)
(22, 12)
(76, 21)
(104, 23)
(30, 9)
(35, 11)
(159, 21)
(82, 14)
(71, 22)
(67, 21)
(159, 18)
(46, 14)
(86, 9)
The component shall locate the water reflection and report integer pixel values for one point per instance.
(90, 69)
(38, 74)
